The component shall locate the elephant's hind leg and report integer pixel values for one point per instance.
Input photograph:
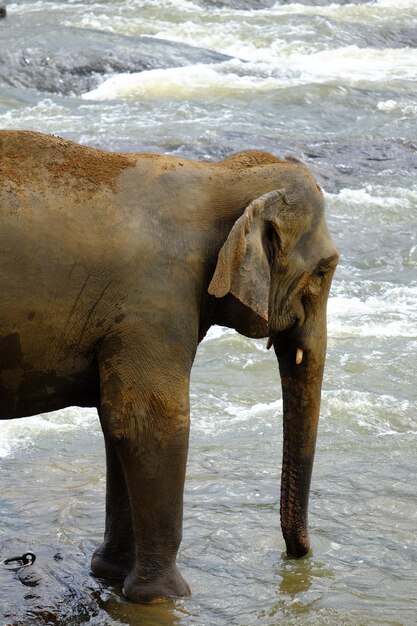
(145, 419)
(116, 555)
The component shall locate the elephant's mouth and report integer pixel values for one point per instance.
(299, 353)
(283, 321)
(288, 337)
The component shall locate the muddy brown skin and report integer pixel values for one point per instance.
(112, 269)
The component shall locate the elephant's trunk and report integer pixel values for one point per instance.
(301, 379)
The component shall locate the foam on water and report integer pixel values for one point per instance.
(351, 65)
(186, 21)
(372, 195)
(362, 412)
(395, 5)
(404, 108)
(375, 205)
(225, 416)
(23, 433)
(215, 332)
(246, 413)
(392, 314)
(196, 81)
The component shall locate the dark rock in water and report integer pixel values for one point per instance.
(54, 590)
(398, 36)
(338, 165)
(335, 164)
(2, 9)
(72, 61)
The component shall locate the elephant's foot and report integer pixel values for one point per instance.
(169, 585)
(107, 563)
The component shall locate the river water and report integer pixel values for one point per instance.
(333, 83)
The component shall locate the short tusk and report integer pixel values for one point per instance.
(299, 356)
(269, 343)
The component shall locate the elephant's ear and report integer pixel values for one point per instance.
(243, 264)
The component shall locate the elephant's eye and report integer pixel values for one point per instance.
(316, 280)
(326, 265)
(323, 270)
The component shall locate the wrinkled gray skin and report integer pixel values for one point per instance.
(112, 269)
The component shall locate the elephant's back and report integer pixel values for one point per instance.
(33, 160)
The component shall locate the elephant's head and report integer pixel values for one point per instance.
(278, 260)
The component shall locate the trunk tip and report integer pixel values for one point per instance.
(297, 547)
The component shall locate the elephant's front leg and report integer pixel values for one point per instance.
(116, 555)
(145, 416)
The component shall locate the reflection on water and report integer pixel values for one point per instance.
(166, 614)
(296, 577)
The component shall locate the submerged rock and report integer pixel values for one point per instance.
(2, 9)
(56, 589)
(72, 61)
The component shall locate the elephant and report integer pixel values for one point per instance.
(113, 266)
